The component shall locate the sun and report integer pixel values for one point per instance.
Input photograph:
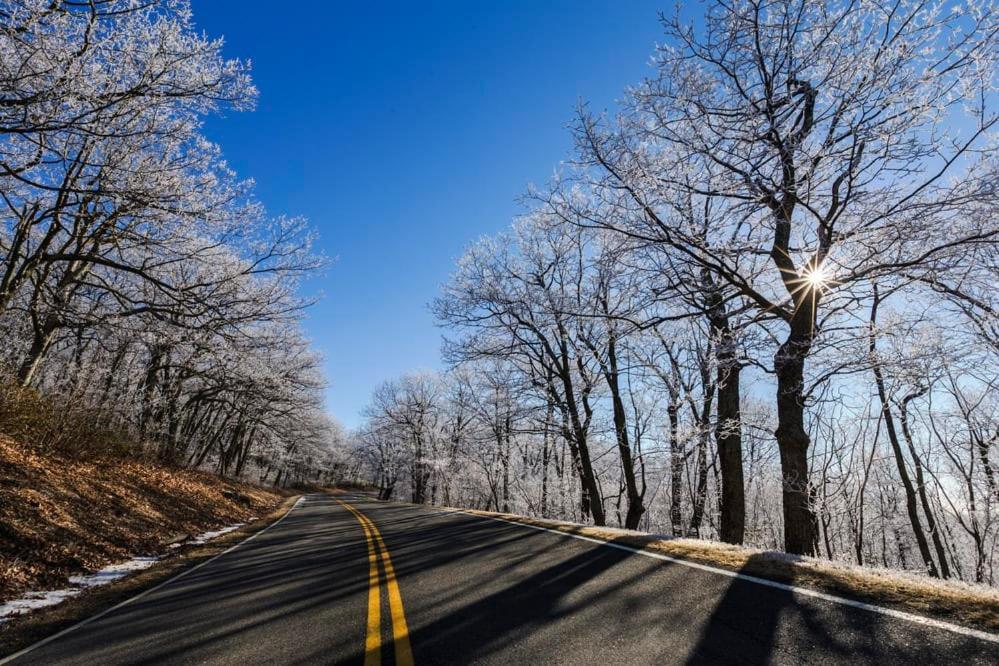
(817, 278)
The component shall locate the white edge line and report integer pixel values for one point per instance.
(901, 615)
(45, 641)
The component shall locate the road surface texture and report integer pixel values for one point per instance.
(317, 588)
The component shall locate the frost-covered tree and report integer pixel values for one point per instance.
(139, 280)
(836, 143)
(784, 241)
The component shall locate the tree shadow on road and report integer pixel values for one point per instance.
(764, 621)
(535, 601)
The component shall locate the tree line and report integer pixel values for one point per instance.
(757, 304)
(140, 282)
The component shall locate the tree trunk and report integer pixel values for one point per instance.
(545, 458)
(417, 471)
(636, 507)
(728, 438)
(676, 468)
(42, 339)
(591, 491)
(505, 452)
(903, 472)
(701, 489)
(728, 429)
(931, 524)
(800, 525)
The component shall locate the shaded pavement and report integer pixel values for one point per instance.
(483, 591)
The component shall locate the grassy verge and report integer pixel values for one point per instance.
(22, 631)
(952, 601)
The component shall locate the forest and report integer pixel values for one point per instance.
(756, 304)
(149, 305)
(675, 352)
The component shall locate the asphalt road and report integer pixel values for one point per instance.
(468, 589)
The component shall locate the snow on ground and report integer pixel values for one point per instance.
(34, 600)
(113, 572)
(40, 599)
(208, 536)
(43, 598)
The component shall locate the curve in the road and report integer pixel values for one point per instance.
(313, 588)
(400, 631)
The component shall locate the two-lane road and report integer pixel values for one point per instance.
(360, 581)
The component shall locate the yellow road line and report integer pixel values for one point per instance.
(400, 630)
(373, 638)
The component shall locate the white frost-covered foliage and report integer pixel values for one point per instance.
(138, 278)
(757, 305)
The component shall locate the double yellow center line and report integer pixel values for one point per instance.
(400, 632)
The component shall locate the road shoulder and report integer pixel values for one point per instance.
(962, 605)
(21, 632)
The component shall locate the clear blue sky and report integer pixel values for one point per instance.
(404, 131)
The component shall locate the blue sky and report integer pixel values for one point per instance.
(405, 131)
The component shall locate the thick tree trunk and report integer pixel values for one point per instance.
(545, 460)
(417, 471)
(728, 437)
(728, 429)
(703, 419)
(592, 499)
(800, 525)
(149, 387)
(505, 452)
(244, 452)
(676, 468)
(701, 489)
(42, 339)
(568, 439)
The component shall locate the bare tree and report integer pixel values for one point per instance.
(818, 132)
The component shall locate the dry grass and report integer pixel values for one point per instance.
(68, 428)
(970, 605)
(61, 516)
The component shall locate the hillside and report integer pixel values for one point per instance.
(60, 516)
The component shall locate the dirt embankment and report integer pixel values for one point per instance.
(60, 516)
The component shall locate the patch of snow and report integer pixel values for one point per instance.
(113, 572)
(34, 600)
(40, 599)
(208, 536)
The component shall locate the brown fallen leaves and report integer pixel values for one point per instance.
(61, 516)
